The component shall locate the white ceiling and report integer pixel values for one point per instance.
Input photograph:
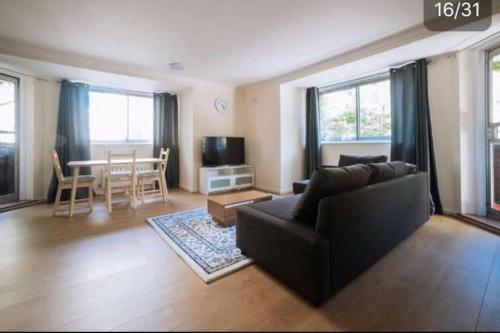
(227, 41)
(442, 44)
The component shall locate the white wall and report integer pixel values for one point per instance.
(258, 120)
(185, 100)
(472, 131)
(197, 118)
(46, 106)
(293, 128)
(445, 115)
(208, 121)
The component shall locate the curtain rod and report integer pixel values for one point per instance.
(479, 42)
(25, 74)
(110, 89)
(80, 81)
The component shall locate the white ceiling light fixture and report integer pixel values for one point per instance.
(176, 66)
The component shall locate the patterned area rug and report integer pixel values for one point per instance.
(209, 249)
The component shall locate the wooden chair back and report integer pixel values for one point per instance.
(164, 156)
(127, 160)
(57, 165)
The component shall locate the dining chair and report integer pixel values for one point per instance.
(153, 176)
(67, 183)
(120, 172)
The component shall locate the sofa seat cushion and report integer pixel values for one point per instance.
(386, 171)
(327, 182)
(281, 208)
(346, 160)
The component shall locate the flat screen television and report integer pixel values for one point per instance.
(217, 150)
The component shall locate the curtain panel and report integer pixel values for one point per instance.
(72, 137)
(166, 134)
(313, 137)
(412, 140)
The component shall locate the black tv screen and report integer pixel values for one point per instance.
(222, 151)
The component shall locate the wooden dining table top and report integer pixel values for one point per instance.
(90, 163)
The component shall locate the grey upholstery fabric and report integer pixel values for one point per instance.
(300, 186)
(293, 253)
(387, 171)
(345, 160)
(326, 182)
(354, 229)
(281, 208)
(391, 211)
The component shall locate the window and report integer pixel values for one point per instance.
(356, 111)
(117, 117)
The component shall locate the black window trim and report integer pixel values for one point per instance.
(350, 85)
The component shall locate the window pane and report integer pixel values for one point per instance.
(141, 118)
(7, 106)
(108, 117)
(495, 90)
(338, 115)
(375, 110)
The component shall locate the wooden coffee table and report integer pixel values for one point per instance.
(222, 207)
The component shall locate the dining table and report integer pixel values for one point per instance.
(76, 165)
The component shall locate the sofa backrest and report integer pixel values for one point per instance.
(364, 224)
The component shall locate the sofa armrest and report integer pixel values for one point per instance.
(300, 186)
(294, 254)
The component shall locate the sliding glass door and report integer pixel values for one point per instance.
(9, 115)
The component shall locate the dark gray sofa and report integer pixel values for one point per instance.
(353, 230)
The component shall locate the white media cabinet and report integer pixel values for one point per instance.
(226, 178)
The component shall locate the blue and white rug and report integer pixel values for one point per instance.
(208, 248)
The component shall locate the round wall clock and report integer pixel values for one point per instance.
(221, 104)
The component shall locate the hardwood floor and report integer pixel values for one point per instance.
(114, 272)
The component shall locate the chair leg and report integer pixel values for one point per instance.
(91, 197)
(108, 197)
(142, 191)
(58, 200)
(166, 190)
(134, 191)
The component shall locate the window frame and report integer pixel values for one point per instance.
(126, 93)
(356, 84)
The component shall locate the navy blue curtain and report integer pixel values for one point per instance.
(411, 123)
(313, 139)
(166, 133)
(73, 139)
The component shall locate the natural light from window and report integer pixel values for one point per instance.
(356, 112)
(7, 112)
(120, 118)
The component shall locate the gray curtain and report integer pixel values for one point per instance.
(72, 138)
(411, 123)
(313, 139)
(165, 134)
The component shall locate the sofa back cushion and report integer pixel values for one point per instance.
(346, 160)
(327, 182)
(386, 171)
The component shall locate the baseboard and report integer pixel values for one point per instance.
(447, 211)
(480, 223)
(187, 188)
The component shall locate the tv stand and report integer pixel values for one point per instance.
(226, 178)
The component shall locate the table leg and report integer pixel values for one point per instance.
(76, 173)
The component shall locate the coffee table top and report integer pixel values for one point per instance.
(238, 196)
